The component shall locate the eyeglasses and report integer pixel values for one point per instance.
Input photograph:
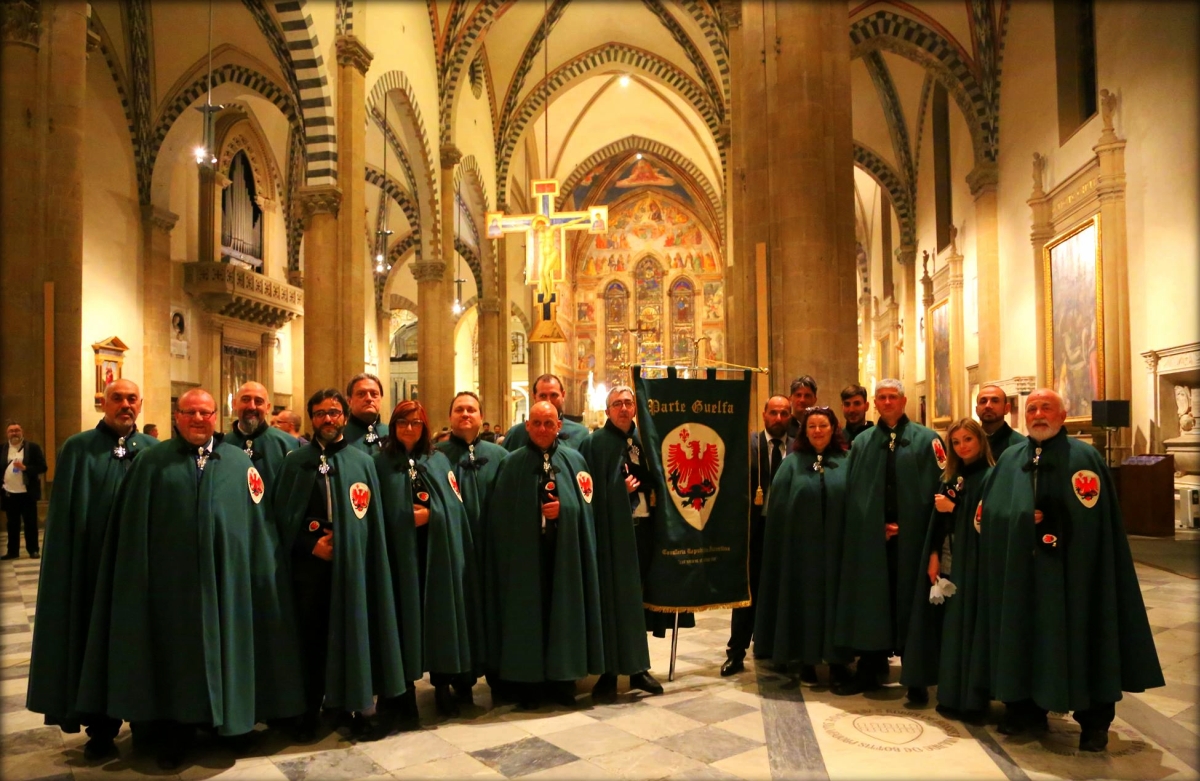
(203, 414)
(623, 403)
(332, 414)
(408, 424)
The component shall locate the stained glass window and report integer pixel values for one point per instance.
(683, 320)
(616, 325)
(647, 277)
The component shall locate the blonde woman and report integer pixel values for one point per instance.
(944, 606)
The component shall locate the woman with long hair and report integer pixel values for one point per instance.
(428, 531)
(942, 629)
(797, 591)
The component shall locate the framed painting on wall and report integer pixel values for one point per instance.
(1074, 318)
(940, 380)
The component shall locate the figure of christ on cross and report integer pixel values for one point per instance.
(543, 247)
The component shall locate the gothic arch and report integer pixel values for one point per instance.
(457, 58)
(467, 172)
(705, 17)
(583, 65)
(397, 193)
(469, 254)
(515, 311)
(889, 179)
(243, 134)
(717, 93)
(397, 301)
(401, 247)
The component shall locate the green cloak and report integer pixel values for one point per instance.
(572, 435)
(357, 433)
(1004, 438)
(852, 433)
(85, 486)
(1064, 626)
(364, 655)
(450, 619)
(519, 647)
(621, 611)
(864, 621)
(802, 547)
(941, 638)
(476, 481)
(190, 623)
(268, 449)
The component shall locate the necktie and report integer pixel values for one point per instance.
(776, 456)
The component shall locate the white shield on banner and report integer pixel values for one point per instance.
(694, 457)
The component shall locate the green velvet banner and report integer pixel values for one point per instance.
(695, 434)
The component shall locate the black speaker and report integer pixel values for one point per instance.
(1110, 414)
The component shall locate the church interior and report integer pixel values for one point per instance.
(953, 193)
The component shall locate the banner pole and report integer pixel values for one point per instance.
(674, 642)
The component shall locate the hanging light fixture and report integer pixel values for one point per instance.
(381, 236)
(206, 153)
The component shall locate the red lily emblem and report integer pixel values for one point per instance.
(255, 482)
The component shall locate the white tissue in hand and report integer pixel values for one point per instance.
(940, 590)
(948, 587)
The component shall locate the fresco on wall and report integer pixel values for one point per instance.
(650, 224)
(585, 353)
(586, 313)
(714, 300)
(617, 176)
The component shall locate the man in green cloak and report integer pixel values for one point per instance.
(854, 410)
(894, 471)
(91, 466)
(1064, 627)
(621, 508)
(331, 530)
(364, 428)
(992, 408)
(549, 388)
(265, 445)
(189, 627)
(475, 461)
(540, 572)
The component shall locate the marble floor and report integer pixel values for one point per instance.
(755, 725)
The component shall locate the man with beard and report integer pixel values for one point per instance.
(854, 410)
(803, 395)
(548, 388)
(767, 451)
(540, 579)
(91, 466)
(331, 530)
(992, 408)
(21, 490)
(189, 627)
(621, 508)
(364, 428)
(893, 472)
(266, 446)
(1064, 624)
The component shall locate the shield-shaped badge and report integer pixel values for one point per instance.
(694, 455)
(1087, 487)
(314, 525)
(585, 486)
(454, 484)
(939, 452)
(255, 482)
(360, 499)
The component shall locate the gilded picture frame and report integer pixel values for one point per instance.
(1073, 282)
(941, 374)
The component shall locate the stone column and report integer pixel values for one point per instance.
(906, 256)
(959, 392)
(21, 308)
(500, 413)
(269, 208)
(983, 180)
(799, 102)
(323, 357)
(490, 358)
(443, 348)
(352, 292)
(209, 344)
(435, 375)
(266, 365)
(212, 187)
(299, 390)
(1041, 232)
(383, 355)
(156, 314)
(926, 303)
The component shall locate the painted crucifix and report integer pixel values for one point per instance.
(544, 244)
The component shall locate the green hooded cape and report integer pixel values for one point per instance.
(476, 481)
(190, 623)
(621, 611)
(364, 656)
(1004, 438)
(572, 435)
(450, 619)
(1063, 626)
(356, 433)
(864, 621)
(519, 647)
(85, 486)
(268, 449)
(802, 546)
(941, 638)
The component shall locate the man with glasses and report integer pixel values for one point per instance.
(549, 388)
(621, 507)
(189, 628)
(364, 428)
(266, 446)
(331, 531)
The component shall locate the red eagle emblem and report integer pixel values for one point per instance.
(314, 525)
(423, 496)
(693, 476)
(1050, 539)
(585, 486)
(939, 453)
(454, 484)
(255, 482)
(1086, 484)
(360, 498)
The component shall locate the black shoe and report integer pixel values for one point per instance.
(1017, 721)
(97, 749)
(9, 556)
(443, 698)
(304, 728)
(849, 688)
(918, 695)
(562, 692)
(646, 682)
(170, 757)
(35, 555)
(605, 689)
(463, 693)
(1093, 740)
(838, 674)
(365, 729)
(732, 666)
(808, 674)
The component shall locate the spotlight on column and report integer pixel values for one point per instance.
(201, 155)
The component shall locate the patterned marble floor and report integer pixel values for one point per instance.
(757, 725)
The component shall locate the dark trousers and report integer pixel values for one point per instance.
(1098, 717)
(18, 508)
(741, 623)
(312, 622)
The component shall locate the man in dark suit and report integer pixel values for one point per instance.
(767, 451)
(803, 392)
(23, 469)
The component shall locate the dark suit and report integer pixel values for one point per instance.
(741, 625)
(23, 507)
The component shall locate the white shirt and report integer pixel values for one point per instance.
(14, 481)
